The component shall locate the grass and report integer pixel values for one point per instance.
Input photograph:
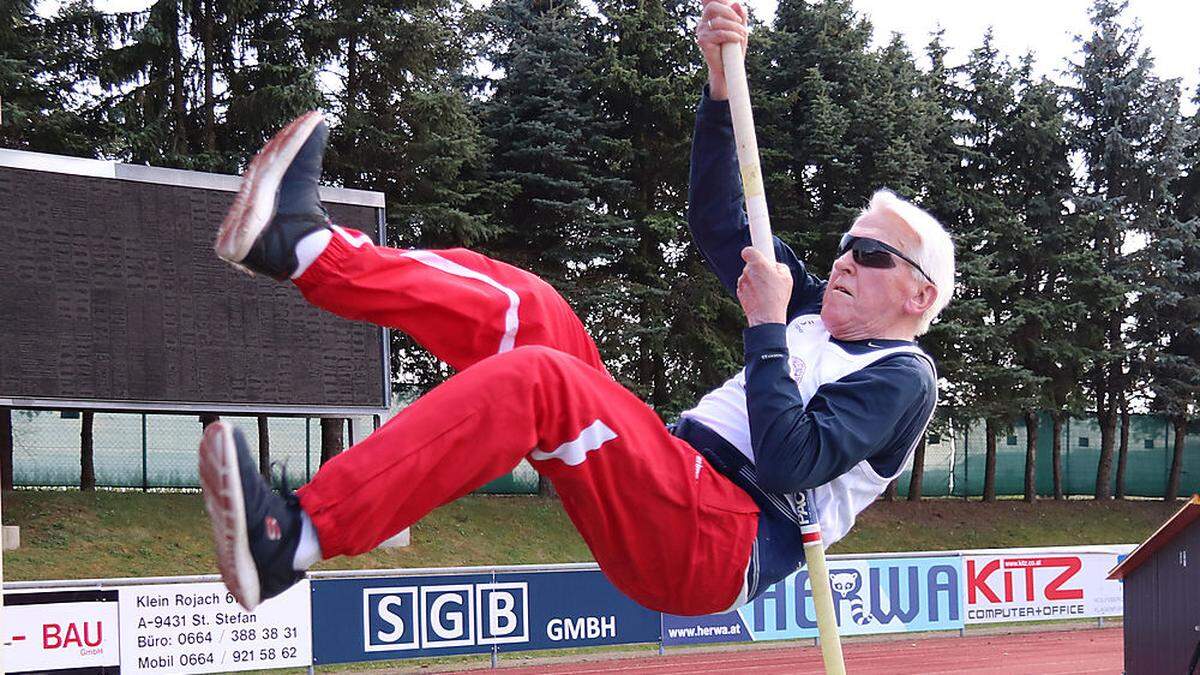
(74, 535)
(941, 524)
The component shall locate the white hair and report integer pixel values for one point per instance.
(935, 254)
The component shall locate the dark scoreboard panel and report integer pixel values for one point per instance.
(111, 296)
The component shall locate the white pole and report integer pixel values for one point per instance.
(747, 149)
(760, 238)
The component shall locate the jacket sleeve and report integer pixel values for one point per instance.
(716, 212)
(877, 414)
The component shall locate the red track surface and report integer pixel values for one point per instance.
(1052, 653)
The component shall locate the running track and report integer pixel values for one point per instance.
(1098, 650)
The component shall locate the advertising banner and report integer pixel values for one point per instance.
(403, 617)
(200, 628)
(61, 630)
(1037, 585)
(875, 595)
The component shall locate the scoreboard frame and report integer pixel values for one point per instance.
(194, 180)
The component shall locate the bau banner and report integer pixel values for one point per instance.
(871, 595)
(405, 617)
(71, 631)
(1041, 584)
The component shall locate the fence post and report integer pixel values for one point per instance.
(963, 631)
(307, 449)
(1067, 459)
(87, 452)
(661, 634)
(967, 461)
(145, 453)
(495, 646)
(264, 448)
(6, 449)
(1166, 454)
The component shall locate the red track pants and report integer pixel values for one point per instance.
(665, 527)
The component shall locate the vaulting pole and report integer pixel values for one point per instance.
(760, 238)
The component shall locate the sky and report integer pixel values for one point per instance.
(1045, 27)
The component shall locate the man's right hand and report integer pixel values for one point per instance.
(721, 21)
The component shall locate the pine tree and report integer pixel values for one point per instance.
(267, 60)
(1035, 152)
(1168, 310)
(405, 122)
(943, 188)
(989, 383)
(550, 141)
(46, 66)
(816, 73)
(647, 81)
(1115, 101)
(398, 96)
(148, 75)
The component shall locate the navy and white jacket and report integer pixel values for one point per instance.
(810, 414)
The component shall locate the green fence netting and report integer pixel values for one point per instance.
(159, 451)
(132, 450)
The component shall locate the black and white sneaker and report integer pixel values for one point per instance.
(255, 531)
(279, 202)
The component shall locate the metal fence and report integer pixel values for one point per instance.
(134, 450)
(159, 451)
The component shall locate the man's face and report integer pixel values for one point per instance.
(862, 302)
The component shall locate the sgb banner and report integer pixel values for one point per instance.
(875, 595)
(1041, 584)
(403, 617)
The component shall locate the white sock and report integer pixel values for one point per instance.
(310, 248)
(308, 551)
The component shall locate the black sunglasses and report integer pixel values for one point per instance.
(874, 253)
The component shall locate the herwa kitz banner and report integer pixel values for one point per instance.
(1041, 584)
(875, 595)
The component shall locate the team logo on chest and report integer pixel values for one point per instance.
(796, 367)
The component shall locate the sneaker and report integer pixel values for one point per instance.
(279, 202)
(255, 531)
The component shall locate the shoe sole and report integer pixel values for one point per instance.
(254, 205)
(221, 480)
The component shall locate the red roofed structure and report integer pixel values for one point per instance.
(1162, 597)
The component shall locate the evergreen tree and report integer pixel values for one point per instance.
(647, 82)
(1035, 152)
(558, 149)
(147, 73)
(550, 142)
(404, 124)
(1168, 311)
(1115, 103)
(268, 61)
(943, 187)
(816, 73)
(990, 383)
(45, 70)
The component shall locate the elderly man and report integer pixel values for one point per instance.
(695, 518)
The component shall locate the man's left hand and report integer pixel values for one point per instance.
(763, 289)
